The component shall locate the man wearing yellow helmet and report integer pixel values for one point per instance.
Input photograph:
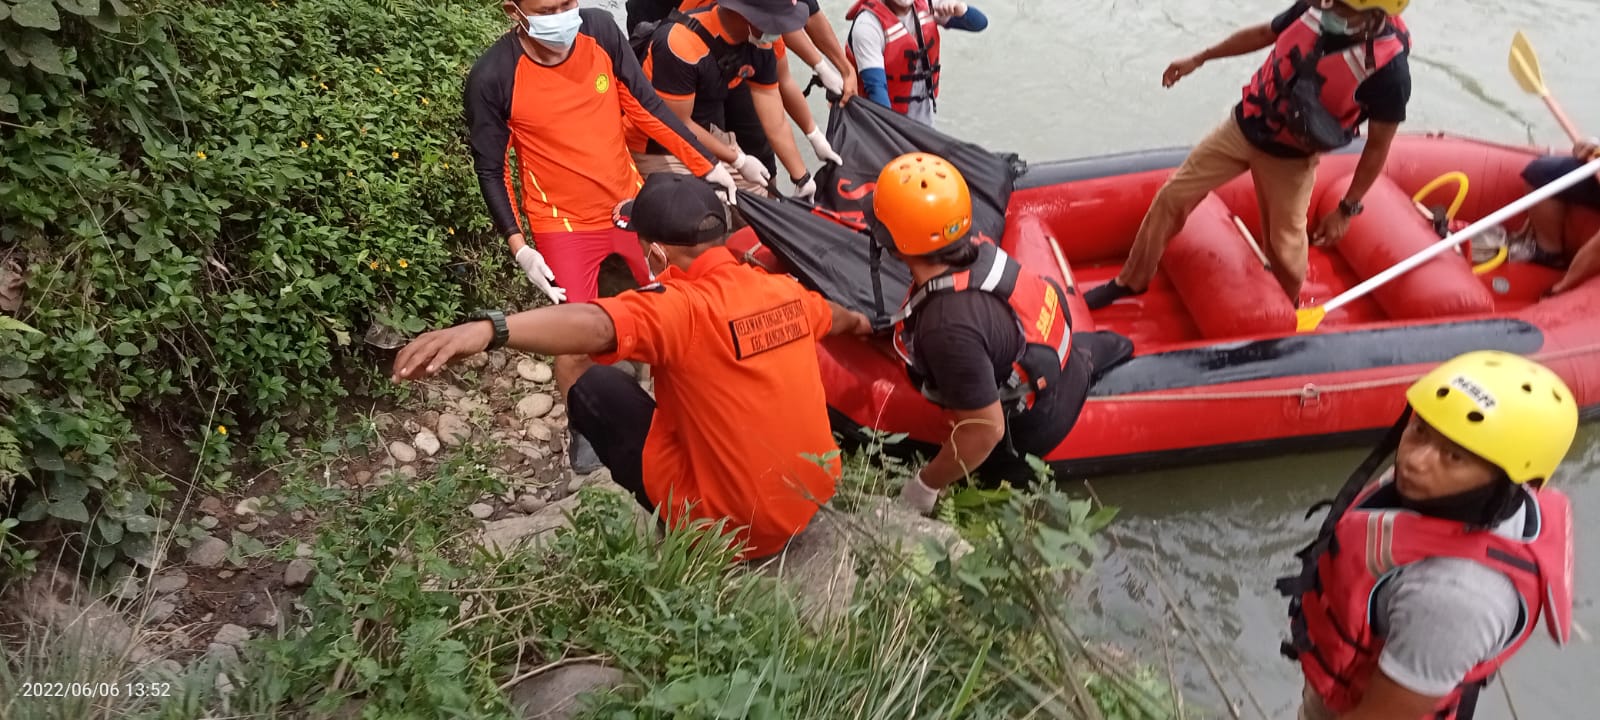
(1424, 582)
(981, 336)
(1334, 65)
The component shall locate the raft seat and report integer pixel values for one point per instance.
(1028, 240)
(1220, 278)
(1391, 230)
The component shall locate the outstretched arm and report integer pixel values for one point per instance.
(580, 329)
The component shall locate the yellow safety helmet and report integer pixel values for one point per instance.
(922, 203)
(1389, 7)
(1504, 408)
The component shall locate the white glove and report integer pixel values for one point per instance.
(945, 9)
(823, 148)
(539, 273)
(719, 175)
(918, 496)
(751, 170)
(805, 188)
(831, 79)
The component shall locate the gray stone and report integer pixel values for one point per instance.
(402, 452)
(159, 611)
(470, 407)
(475, 361)
(223, 684)
(246, 600)
(819, 564)
(527, 369)
(128, 588)
(170, 582)
(248, 527)
(530, 450)
(453, 430)
(536, 405)
(265, 616)
(557, 695)
(480, 510)
(498, 361)
(50, 599)
(247, 507)
(208, 552)
(427, 442)
(504, 535)
(539, 431)
(298, 573)
(558, 412)
(211, 505)
(454, 393)
(530, 504)
(231, 634)
(303, 550)
(225, 574)
(363, 477)
(227, 655)
(208, 522)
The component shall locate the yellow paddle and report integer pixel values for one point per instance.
(1525, 68)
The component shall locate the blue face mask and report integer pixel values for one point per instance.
(556, 31)
(1334, 24)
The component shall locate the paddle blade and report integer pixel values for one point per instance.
(1307, 319)
(1525, 65)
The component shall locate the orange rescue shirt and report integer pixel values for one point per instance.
(566, 123)
(741, 423)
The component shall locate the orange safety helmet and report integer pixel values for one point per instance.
(922, 203)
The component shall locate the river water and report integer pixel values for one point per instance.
(1066, 78)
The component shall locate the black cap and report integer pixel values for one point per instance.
(672, 209)
(771, 16)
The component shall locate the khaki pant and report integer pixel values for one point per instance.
(1311, 707)
(650, 164)
(1283, 192)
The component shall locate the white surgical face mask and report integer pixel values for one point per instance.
(556, 31)
(652, 251)
(764, 39)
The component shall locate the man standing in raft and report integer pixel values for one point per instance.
(894, 46)
(981, 336)
(1334, 64)
(1424, 583)
(738, 430)
(556, 89)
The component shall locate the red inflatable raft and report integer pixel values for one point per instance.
(1219, 370)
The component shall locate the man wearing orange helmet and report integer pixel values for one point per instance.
(1423, 583)
(1334, 65)
(1000, 361)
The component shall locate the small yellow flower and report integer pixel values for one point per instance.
(373, 264)
(222, 429)
(303, 144)
(363, 131)
(200, 155)
(324, 85)
(319, 137)
(447, 166)
(394, 155)
(424, 101)
(404, 264)
(378, 70)
(349, 173)
(450, 230)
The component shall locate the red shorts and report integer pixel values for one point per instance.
(575, 257)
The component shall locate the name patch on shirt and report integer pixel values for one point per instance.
(759, 332)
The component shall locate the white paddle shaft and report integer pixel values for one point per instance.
(1467, 233)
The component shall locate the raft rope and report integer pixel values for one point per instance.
(1313, 391)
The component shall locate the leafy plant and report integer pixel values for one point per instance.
(213, 202)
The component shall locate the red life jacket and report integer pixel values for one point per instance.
(1331, 620)
(907, 56)
(1326, 80)
(1040, 309)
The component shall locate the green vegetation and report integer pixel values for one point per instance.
(410, 618)
(214, 201)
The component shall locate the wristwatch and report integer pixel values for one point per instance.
(1350, 209)
(502, 334)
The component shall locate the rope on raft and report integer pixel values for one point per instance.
(1313, 391)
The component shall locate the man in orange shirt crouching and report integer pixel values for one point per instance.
(740, 420)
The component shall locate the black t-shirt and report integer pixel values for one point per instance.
(1383, 97)
(965, 342)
